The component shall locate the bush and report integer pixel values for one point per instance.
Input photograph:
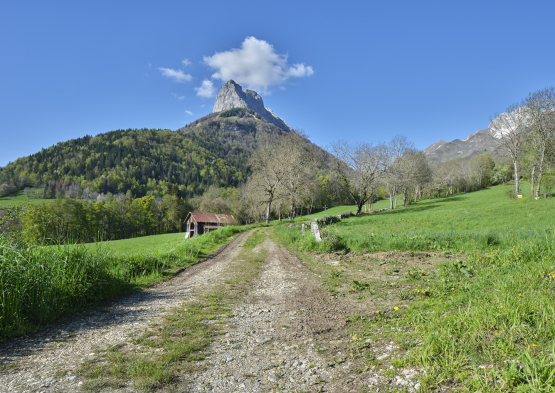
(7, 189)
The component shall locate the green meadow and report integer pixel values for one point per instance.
(18, 199)
(480, 220)
(146, 245)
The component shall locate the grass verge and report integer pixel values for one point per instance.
(38, 285)
(179, 344)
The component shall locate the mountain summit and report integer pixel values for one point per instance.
(231, 95)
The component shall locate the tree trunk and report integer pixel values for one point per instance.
(359, 208)
(540, 173)
(268, 212)
(532, 181)
(391, 194)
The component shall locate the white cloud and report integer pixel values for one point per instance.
(189, 113)
(206, 90)
(186, 62)
(178, 75)
(255, 65)
(178, 97)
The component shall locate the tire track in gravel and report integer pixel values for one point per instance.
(31, 364)
(271, 343)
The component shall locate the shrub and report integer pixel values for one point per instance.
(7, 189)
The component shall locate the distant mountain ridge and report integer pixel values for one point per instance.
(475, 144)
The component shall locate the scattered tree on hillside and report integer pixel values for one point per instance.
(268, 173)
(541, 116)
(359, 166)
(396, 169)
(510, 129)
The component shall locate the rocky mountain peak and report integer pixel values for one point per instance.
(231, 95)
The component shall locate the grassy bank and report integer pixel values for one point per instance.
(38, 285)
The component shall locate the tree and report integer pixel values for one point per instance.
(395, 168)
(297, 159)
(269, 171)
(510, 129)
(541, 118)
(482, 167)
(123, 203)
(358, 165)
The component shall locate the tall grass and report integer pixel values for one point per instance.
(38, 285)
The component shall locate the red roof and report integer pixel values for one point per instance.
(226, 219)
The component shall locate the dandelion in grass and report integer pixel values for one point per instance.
(520, 294)
(355, 338)
(377, 312)
(396, 308)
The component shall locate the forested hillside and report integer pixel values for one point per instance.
(145, 161)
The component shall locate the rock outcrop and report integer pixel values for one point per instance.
(231, 95)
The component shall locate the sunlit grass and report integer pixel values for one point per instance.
(18, 198)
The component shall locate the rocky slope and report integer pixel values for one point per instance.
(231, 95)
(477, 143)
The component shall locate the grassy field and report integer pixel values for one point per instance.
(481, 317)
(149, 245)
(481, 220)
(18, 198)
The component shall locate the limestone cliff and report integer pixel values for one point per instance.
(231, 95)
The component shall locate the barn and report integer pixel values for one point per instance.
(200, 223)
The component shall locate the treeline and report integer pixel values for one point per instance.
(78, 220)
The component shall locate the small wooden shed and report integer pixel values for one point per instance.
(201, 223)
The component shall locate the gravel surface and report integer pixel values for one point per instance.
(255, 356)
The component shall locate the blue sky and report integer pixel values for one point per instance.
(360, 71)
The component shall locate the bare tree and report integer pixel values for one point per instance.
(541, 115)
(297, 159)
(269, 171)
(358, 165)
(510, 129)
(395, 169)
